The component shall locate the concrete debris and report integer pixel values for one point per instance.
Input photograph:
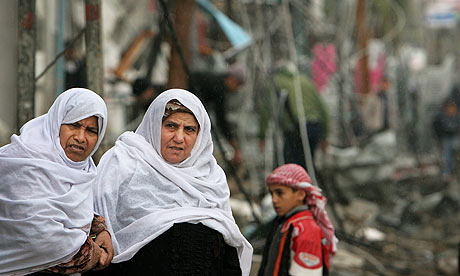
(393, 212)
(371, 234)
(447, 262)
(345, 259)
(399, 217)
(361, 212)
(405, 220)
(242, 211)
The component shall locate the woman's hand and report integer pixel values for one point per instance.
(94, 257)
(104, 241)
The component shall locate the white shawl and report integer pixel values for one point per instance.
(141, 195)
(45, 198)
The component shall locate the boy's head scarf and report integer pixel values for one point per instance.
(295, 176)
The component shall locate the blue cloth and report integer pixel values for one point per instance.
(238, 37)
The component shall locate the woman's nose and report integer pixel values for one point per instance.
(80, 135)
(179, 136)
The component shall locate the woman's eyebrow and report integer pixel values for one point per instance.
(93, 128)
(170, 122)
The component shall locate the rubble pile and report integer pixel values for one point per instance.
(393, 215)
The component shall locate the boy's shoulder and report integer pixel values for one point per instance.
(300, 221)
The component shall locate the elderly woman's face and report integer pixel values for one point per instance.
(178, 136)
(78, 139)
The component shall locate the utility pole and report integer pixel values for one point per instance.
(298, 92)
(229, 9)
(94, 66)
(60, 45)
(362, 36)
(26, 61)
(184, 12)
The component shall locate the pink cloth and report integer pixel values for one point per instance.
(323, 64)
(295, 176)
(376, 74)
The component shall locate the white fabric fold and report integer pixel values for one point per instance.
(46, 205)
(141, 195)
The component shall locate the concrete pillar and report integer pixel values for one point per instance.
(26, 61)
(93, 40)
(8, 66)
(184, 13)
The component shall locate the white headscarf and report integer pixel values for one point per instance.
(141, 195)
(46, 206)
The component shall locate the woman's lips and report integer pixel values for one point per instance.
(76, 148)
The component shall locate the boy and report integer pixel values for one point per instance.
(302, 238)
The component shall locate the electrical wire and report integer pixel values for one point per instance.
(213, 131)
(60, 54)
(298, 92)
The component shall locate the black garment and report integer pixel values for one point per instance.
(445, 125)
(383, 95)
(210, 88)
(455, 94)
(184, 250)
(293, 148)
(75, 74)
(284, 267)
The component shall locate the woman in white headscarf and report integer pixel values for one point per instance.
(46, 178)
(165, 198)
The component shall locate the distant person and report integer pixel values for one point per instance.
(144, 92)
(75, 68)
(47, 222)
(383, 96)
(315, 111)
(213, 88)
(455, 93)
(301, 240)
(165, 198)
(446, 126)
(412, 137)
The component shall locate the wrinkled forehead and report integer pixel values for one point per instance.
(93, 120)
(90, 121)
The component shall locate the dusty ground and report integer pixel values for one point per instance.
(419, 219)
(417, 223)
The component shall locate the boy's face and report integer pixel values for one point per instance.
(285, 198)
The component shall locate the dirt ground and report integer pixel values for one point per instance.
(412, 228)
